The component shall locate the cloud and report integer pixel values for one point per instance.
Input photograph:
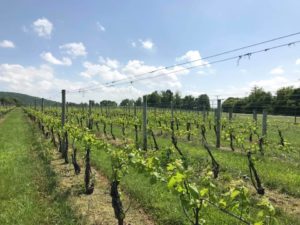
(298, 62)
(146, 44)
(43, 27)
(48, 57)
(194, 57)
(109, 70)
(100, 27)
(74, 49)
(112, 93)
(36, 81)
(42, 82)
(112, 63)
(277, 70)
(20, 78)
(104, 71)
(274, 83)
(7, 44)
(160, 76)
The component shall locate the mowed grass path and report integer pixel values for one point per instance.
(27, 184)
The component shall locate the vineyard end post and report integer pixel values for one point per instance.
(145, 122)
(264, 122)
(218, 124)
(42, 106)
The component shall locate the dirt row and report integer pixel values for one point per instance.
(96, 208)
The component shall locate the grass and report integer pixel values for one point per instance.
(27, 185)
(281, 173)
(165, 207)
(275, 173)
(162, 204)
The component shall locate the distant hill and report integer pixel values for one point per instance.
(25, 99)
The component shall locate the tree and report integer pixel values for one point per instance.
(258, 100)
(295, 99)
(283, 100)
(154, 99)
(202, 102)
(177, 100)
(127, 102)
(188, 102)
(166, 98)
(229, 103)
(138, 102)
(9, 101)
(108, 103)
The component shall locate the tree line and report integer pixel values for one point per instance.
(286, 101)
(8, 101)
(164, 99)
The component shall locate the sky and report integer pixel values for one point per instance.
(47, 46)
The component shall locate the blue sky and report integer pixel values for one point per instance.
(46, 46)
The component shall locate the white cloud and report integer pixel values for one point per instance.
(194, 57)
(162, 78)
(43, 27)
(110, 70)
(146, 44)
(103, 71)
(112, 93)
(100, 27)
(112, 63)
(42, 82)
(48, 57)
(277, 70)
(36, 81)
(74, 49)
(271, 85)
(7, 44)
(298, 62)
(274, 83)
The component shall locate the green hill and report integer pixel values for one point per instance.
(25, 99)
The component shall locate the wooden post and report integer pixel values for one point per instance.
(218, 124)
(172, 111)
(90, 113)
(145, 122)
(254, 115)
(203, 113)
(264, 122)
(230, 114)
(42, 106)
(90, 107)
(63, 120)
(295, 118)
(63, 107)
